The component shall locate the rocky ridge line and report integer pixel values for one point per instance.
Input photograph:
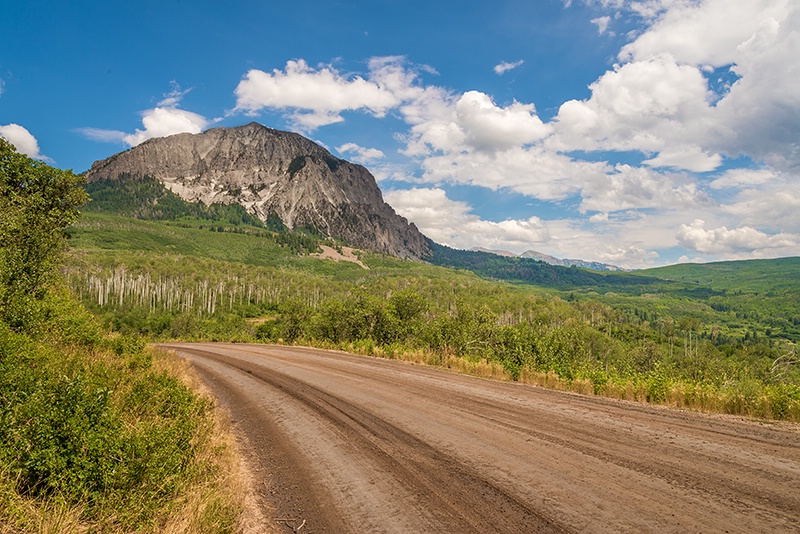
(272, 172)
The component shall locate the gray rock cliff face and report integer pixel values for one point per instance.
(270, 171)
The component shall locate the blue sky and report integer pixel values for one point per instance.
(637, 133)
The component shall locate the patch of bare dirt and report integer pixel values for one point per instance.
(347, 254)
(343, 443)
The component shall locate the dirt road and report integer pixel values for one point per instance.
(343, 443)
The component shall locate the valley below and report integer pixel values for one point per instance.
(345, 443)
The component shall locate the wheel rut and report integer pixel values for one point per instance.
(453, 496)
(344, 443)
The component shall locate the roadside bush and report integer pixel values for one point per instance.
(95, 431)
(37, 203)
(90, 429)
(784, 400)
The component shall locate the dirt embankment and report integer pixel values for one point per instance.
(342, 443)
(347, 254)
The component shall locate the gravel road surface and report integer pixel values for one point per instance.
(341, 443)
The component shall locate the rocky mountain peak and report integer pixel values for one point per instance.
(272, 172)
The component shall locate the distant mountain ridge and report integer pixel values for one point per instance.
(272, 173)
(275, 174)
(552, 260)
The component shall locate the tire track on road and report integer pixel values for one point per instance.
(456, 498)
(385, 446)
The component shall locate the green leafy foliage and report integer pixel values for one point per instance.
(86, 419)
(644, 336)
(107, 432)
(37, 203)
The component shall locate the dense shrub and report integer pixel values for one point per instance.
(95, 426)
(86, 420)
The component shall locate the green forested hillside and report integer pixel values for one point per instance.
(732, 301)
(748, 299)
(703, 338)
(637, 336)
(767, 276)
(530, 271)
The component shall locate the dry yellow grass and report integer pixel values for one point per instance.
(225, 500)
(481, 368)
(21, 515)
(695, 397)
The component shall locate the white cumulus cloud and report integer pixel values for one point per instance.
(531, 171)
(505, 66)
(630, 187)
(443, 122)
(318, 96)
(451, 222)
(165, 119)
(644, 106)
(689, 157)
(666, 92)
(361, 154)
(737, 178)
(487, 126)
(23, 141)
(758, 117)
(742, 239)
(706, 32)
(772, 204)
(162, 121)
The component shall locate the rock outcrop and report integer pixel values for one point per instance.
(272, 172)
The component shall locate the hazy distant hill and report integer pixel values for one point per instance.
(552, 260)
(594, 265)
